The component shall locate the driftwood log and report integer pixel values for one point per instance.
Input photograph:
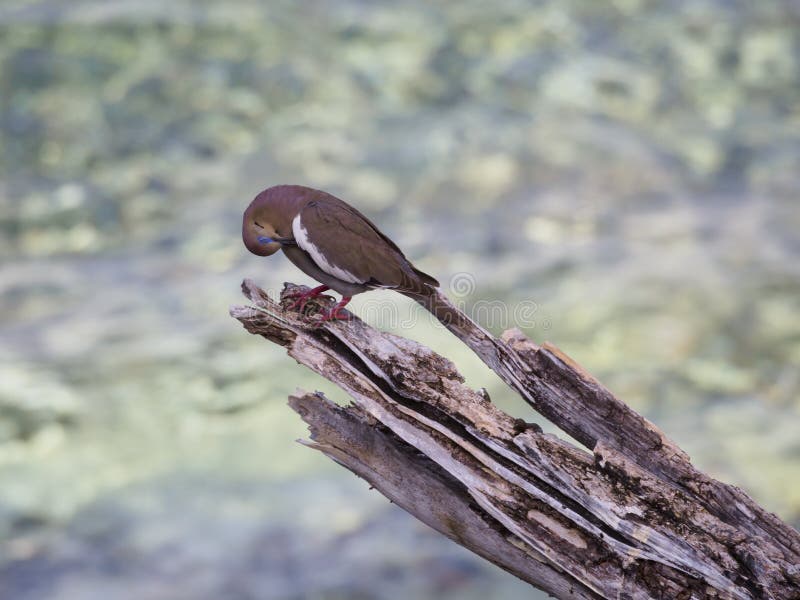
(628, 516)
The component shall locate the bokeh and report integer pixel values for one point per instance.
(629, 170)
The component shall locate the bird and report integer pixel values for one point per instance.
(331, 242)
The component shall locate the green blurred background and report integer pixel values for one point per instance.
(631, 166)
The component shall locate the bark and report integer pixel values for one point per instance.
(628, 516)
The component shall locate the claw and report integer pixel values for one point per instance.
(335, 313)
(302, 298)
(301, 302)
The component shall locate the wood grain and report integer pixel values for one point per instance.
(624, 516)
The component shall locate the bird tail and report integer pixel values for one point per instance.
(436, 303)
(425, 278)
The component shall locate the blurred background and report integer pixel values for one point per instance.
(631, 166)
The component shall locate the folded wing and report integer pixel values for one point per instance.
(346, 245)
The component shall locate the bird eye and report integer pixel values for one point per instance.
(257, 224)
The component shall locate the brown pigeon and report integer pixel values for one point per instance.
(332, 242)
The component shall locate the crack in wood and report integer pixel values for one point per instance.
(627, 516)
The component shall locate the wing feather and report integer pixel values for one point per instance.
(346, 245)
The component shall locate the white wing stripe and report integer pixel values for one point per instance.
(301, 237)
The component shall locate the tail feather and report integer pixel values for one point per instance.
(440, 307)
(414, 283)
(426, 279)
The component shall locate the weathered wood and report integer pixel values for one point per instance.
(418, 485)
(631, 519)
(569, 397)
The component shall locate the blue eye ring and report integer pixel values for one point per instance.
(262, 239)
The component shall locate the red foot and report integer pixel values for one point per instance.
(304, 297)
(334, 314)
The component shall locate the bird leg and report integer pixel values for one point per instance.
(334, 314)
(302, 298)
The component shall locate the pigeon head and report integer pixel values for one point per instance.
(267, 222)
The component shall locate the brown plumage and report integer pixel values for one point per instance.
(330, 241)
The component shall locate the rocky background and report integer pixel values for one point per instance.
(629, 171)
